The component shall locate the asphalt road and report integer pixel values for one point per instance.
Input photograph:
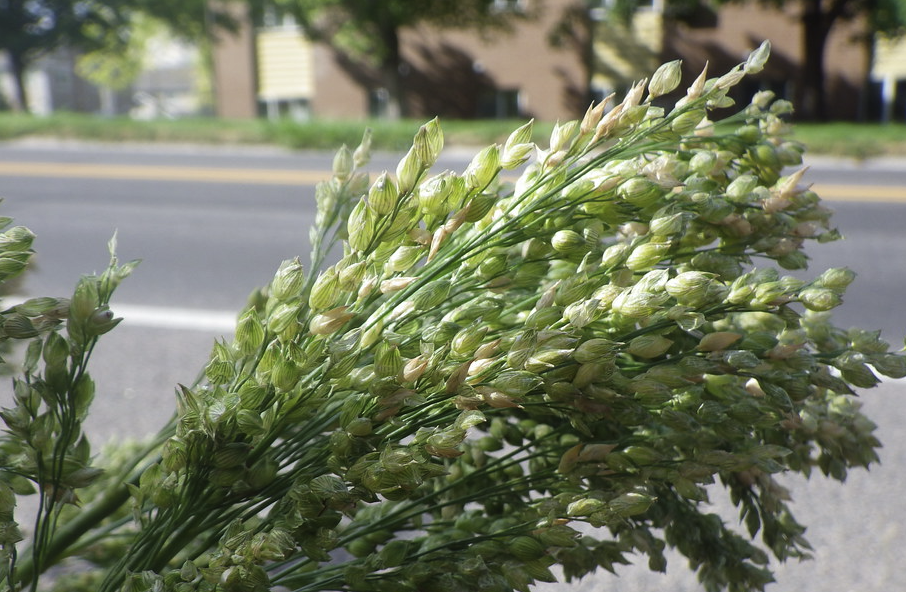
(210, 225)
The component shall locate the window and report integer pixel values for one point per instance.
(599, 9)
(498, 103)
(378, 102)
(508, 6)
(293, 109)
(899, 101)
(272, 17)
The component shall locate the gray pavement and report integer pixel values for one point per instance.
(205, 246)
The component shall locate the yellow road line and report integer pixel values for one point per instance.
(161, 173)
(861, 193)
(830, 192)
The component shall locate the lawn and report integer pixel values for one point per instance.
(317, 134)
(855, 140)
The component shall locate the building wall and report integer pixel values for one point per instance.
(464, 74)
(235, 70)
(337, 95)
(723, 39)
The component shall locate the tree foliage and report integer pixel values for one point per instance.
(818, 18)
(30, 29)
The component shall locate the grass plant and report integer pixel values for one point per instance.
(497, 382)
(844, 139)
(393, 136)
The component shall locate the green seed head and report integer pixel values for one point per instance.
(325, 293)
(408, 171)
(483, 168)
(343, 163)
(288, 280)
(429, 142)
(665, 79)
(639, 191)
(837, 278)
(647, 256)
(567, 241)
(383, 195)
(649, 346)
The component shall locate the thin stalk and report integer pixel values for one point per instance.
(395, 519)
(66, 416)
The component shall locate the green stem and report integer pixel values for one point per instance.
(67, 535)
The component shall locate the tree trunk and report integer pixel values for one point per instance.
(20, 94)
(816, 25)
(391, 72)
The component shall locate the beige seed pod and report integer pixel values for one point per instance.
(496, 398)
(593, 115)
(487, 350)
(328, 322)
(665, 79)
(396, 284)
(414, 368)
(480, 365)
(367, 286)
(718, 340)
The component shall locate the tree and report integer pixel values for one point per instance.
(29, 29)
(367, 33)
(818, 18)
(117, 65)
(32, 28)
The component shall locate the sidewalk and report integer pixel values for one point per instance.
(880, 163)
(456, 152)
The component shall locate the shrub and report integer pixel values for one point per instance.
(496, 378)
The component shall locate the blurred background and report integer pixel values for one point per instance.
(330, 59)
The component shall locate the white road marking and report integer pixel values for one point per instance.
(160, 317)
(163, 317)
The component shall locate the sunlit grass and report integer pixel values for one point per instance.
(855, 140)
(316, 134)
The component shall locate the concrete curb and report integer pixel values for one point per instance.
(880, 163)
(885, 163)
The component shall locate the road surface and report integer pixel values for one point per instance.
(212, 224)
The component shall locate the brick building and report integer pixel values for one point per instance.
(271, 68)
